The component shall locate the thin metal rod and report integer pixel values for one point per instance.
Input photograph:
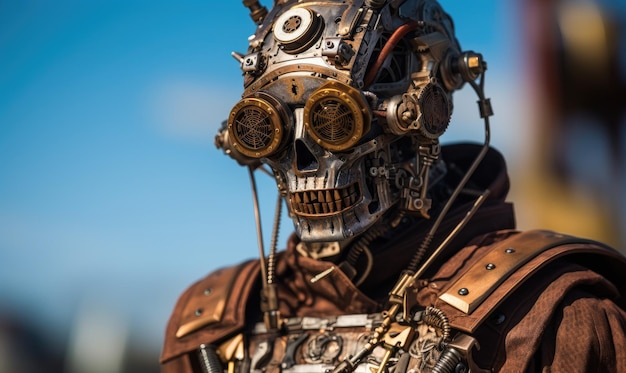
(483, 151)
(479, 201)
(259, 231)
(464, 180)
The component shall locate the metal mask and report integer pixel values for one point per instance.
(345, 101)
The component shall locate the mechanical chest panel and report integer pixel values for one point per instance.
(319, 345)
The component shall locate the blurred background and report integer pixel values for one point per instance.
(113, 198)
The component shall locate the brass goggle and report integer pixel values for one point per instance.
(336, 116)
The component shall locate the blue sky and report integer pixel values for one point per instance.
(111, 191)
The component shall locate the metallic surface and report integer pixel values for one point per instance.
(255, 127)
(339, 98)
(232, 348)
(345, 102)
(209, 361)
(336, 116)
(317, 344)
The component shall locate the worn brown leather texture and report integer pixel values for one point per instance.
(551, 247)
(195, 297)
(557, 312)
(545, 306)
(536, 313)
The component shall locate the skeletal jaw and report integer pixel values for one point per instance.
(325, 202)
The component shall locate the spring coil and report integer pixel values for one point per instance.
(367, 237)
(451, 361)
(419, 255)
(361, 247)
(271, 260)
(437, 318)
(209, 361)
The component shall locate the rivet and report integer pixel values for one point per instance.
(490, 266)
(510, 250)
(198, 312)
(463, 291)
(207, 291)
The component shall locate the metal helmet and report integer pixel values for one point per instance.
(345, 101)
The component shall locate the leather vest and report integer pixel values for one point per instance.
(455, 316)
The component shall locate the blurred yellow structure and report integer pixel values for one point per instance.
(574, 177)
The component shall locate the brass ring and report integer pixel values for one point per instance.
(255, 127)
(336, 116)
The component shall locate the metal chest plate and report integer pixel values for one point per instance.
(318, 345)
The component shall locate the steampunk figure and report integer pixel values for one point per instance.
(404, 257)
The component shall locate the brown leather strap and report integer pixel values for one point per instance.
(540, 248)
(210, 310)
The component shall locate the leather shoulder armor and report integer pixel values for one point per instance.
(487, 281)
(209, 310)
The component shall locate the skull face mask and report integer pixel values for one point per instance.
(345, 101)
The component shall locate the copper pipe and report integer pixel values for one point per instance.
(394, 39)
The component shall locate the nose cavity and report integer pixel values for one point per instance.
(305, 160)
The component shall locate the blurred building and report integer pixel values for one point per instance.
(97, 343)
(23, 347)
(576, 69)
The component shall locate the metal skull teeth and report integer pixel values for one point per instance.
(330, 87)
(325, 202)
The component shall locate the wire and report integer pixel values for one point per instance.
(419, 255)
(271, 260)
(391, 43)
